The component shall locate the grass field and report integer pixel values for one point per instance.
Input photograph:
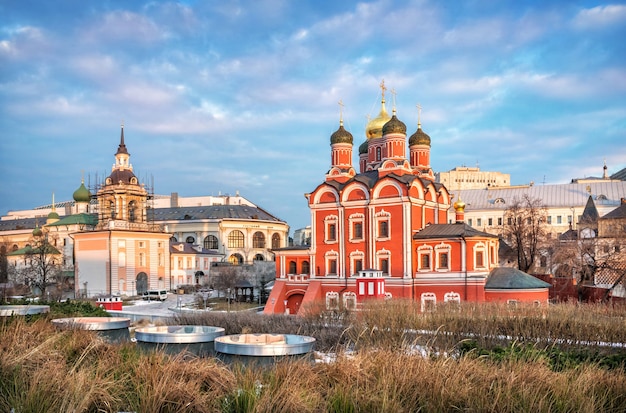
(386, 358)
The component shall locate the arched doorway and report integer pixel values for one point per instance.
(293, 303)
(142, 283)
(236, 259)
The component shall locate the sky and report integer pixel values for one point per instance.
(220, 97)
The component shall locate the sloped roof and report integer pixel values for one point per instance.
(212, 212)
(590, 213)
(604, 193)
(189, 249)
(620, 175)
(20, 223)
(506, 278)
(617, 213)
(370, 178)
(30, 250)
(76, 219)
(450, 231)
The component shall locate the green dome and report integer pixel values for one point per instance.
(394, 125)
(419, 138)
(37, 232)
(82, 194)
(53, 215)
(341, 136)
(363, 147)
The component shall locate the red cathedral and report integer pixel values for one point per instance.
(381, 233)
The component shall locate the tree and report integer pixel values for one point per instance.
(525, 229)
(42, 263)
(227, 279)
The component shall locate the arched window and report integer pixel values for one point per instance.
(259, 257)
(235, 239)
(112, 209)
(173, 239)
(258, 240)
(132, 210)
(275, 240)
(292, 267)
(235, 259)
(190, 240)
(211, 242)
(378, 154)
(305, 267)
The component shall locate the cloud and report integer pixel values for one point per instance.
(600, 17)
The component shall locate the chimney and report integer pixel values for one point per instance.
(174, 200)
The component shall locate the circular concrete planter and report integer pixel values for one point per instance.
(112, 329)
(11, 310)
(193, 340)
(263, 349)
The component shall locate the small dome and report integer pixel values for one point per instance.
(363, 147)
(82, 194)
(124, 175)
(394, 125)
(341, 136)
(53, 215)
(37, 232)
(419, 138)
(459, 206)
(374, 128)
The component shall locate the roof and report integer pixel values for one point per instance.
(590, 213)
(370, 178)
(190, 249)
(30, 250)
(604, 193)
(76, 219)
(617, 213)
(212, 212)
(20, 223)
(459, 230)
(506, 278)
(621, 174)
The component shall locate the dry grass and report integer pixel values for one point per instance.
(44, 370)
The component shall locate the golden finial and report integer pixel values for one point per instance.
(383, 88)
(53, 208)
(419, 116)
(393, 92)
(341, 112)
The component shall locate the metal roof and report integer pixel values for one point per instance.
(506, 278)
(212, 212)
(450, 231)
(604, 193)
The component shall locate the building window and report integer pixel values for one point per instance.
(275, 241)
(292, 267)
(358, 230)
(142, 259)
(258, 240)
(358, 266)
(161, 260)
(499, 220)
(142, 244)
(235, 239)
(425, 262)
(190, 240)
(384, 266)
(306, 268)
(332, 266)
(480, 259)
(479, 222)
(332, 232)
(378, 154)
(132, 210)
(443, 260)
(490, 222)
(558, 219)
(549, 220)
(211, 242)
(332, 300)
(469, 222)
(112, 209)
(383, 229)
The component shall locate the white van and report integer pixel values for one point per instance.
(160, 295)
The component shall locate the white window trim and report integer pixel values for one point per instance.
(356, 219)
(354, 256)
(424, 250)
(380, 255)
(481, 247)
(331, 219)
(442, 248)
(382, 216)
(332, 300)
(349, 300)
(329, 256)
(426, 298)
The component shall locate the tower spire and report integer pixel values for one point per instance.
(122, 147)
(341, 113)
(419, 116)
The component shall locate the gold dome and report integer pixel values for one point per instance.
(374, 128)
(459, 206)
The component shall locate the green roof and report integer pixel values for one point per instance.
(506, 278)
(76, 219)
(29, 250)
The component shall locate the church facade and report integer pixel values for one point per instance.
(388, 222)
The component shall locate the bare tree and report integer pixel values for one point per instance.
(227, 279)
(42, 263)
(525, 229)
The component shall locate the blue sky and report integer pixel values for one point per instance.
(225, 96)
